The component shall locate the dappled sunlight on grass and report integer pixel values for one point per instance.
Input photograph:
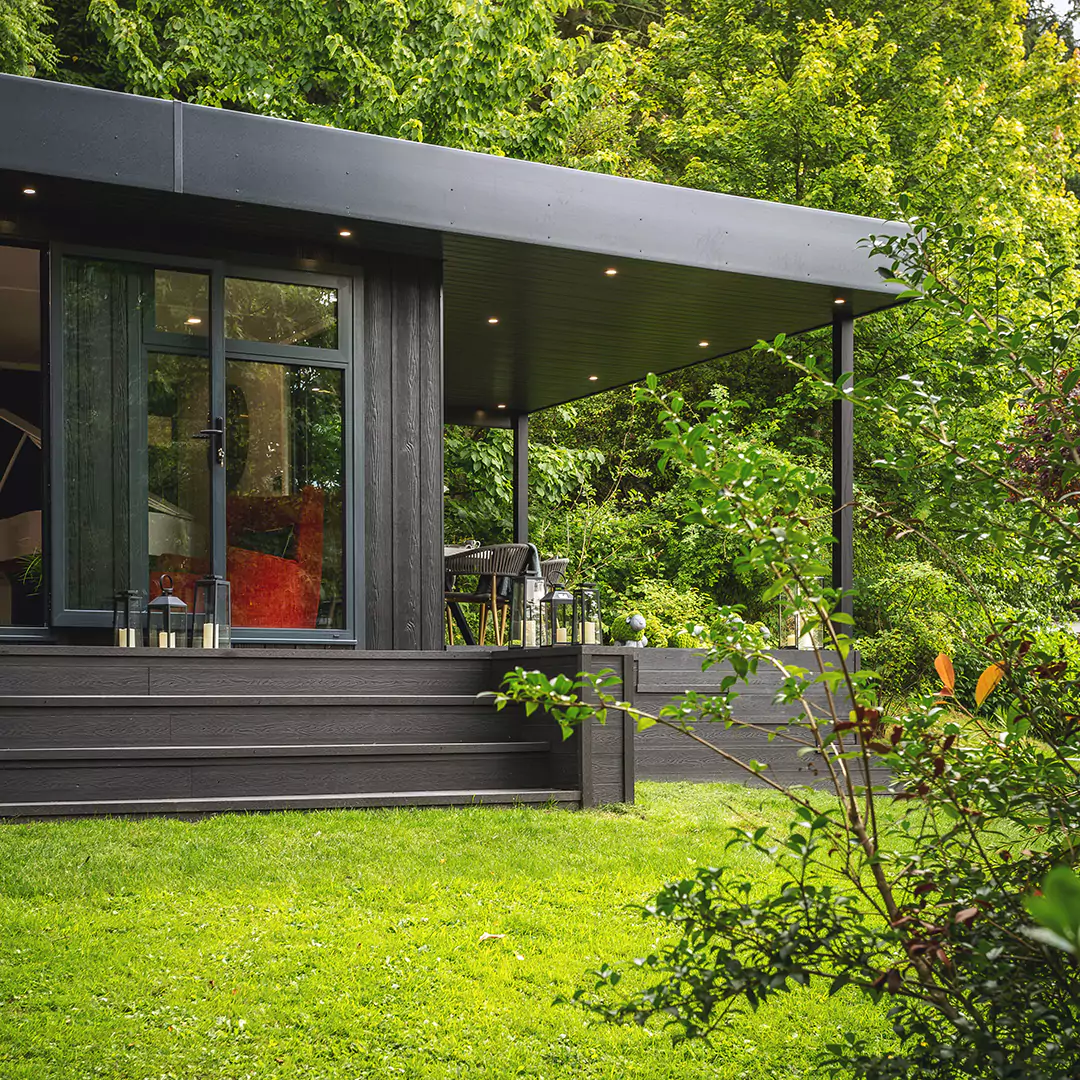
(352, 944)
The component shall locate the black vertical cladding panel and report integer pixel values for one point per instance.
(405, 428)
(431, 460)
(378, 457)
(403, 454)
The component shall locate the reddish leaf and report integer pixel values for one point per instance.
(893, 981)
(943, 666)
(966, 917)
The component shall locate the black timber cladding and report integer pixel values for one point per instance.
(523, 241)
(403, 452)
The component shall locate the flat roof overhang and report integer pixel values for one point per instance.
(523, 243)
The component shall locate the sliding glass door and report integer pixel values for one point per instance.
(205, 429)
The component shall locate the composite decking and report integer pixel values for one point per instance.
(96, 730)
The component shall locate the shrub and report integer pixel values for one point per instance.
(918, 894)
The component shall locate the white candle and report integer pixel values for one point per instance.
(209, 636)
(560, 634)
(530, 633)
(121, 636)
(590, 633)
(172, 639)
(162, 640)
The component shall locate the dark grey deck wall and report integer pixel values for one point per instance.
(403, 456)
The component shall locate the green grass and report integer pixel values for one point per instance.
(347, 945)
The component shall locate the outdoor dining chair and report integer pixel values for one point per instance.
(493, 567)
(553, 571)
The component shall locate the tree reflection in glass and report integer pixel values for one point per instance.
(285, 477)
(281, 314)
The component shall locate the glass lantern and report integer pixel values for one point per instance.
(211, 616)
(526, 593)
(166, 618)
(127, 619)
(587, 625)
(557, 617)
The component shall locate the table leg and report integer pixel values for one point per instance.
(462, 625)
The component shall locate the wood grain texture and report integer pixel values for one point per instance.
(403, 454)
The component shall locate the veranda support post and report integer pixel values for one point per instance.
(843, 367)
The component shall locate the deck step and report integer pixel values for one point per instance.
(559, 797)
(74, 754)
(166, 701)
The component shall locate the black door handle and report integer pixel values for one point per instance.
(216, 437)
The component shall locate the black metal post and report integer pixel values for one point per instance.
(521, 478)
(843, 367)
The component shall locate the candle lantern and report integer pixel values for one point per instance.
(211, 617)
(127, 618)
(526, 593)
(557, 617)
(166, 617)
(588, 629)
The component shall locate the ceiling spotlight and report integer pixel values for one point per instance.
(29, 191)
(193, 321)
(839, 300)
(703, 344)
(500, 406)
(344, 233)
(593, 378)
(611, 271)
(493, 320)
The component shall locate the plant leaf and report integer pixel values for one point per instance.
(987, 681)
(944, 668)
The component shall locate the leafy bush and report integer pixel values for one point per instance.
(918, 893)
(656, 633)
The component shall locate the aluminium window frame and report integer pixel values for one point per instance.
(347, 358)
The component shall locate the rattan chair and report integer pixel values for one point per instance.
(493, 567)
(553, 571)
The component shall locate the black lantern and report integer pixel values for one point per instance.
(587, 625)
(526, 593)
(211, 616)
(127, 618)
(557, 617)
(166, 617)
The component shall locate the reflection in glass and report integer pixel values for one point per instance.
(181, 302)
(281, 314)
(284, 508)
(178, 477)
(102, 420)
(22, 584)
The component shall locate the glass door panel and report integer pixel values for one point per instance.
(284, 477)
(178, 472)
(22, 448)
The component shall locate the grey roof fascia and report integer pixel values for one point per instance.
(72, 131)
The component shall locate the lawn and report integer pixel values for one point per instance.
(347, 945)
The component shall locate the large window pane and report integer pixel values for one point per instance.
(181, 302)
(22, 579)
(281, 314)
(103, 418)
(285, 480)
(178, 403)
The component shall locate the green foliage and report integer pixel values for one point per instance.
(25, 45)
(1056, 907)
(621, 630)
(499, 78)
(928, 910)
(656, 634)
